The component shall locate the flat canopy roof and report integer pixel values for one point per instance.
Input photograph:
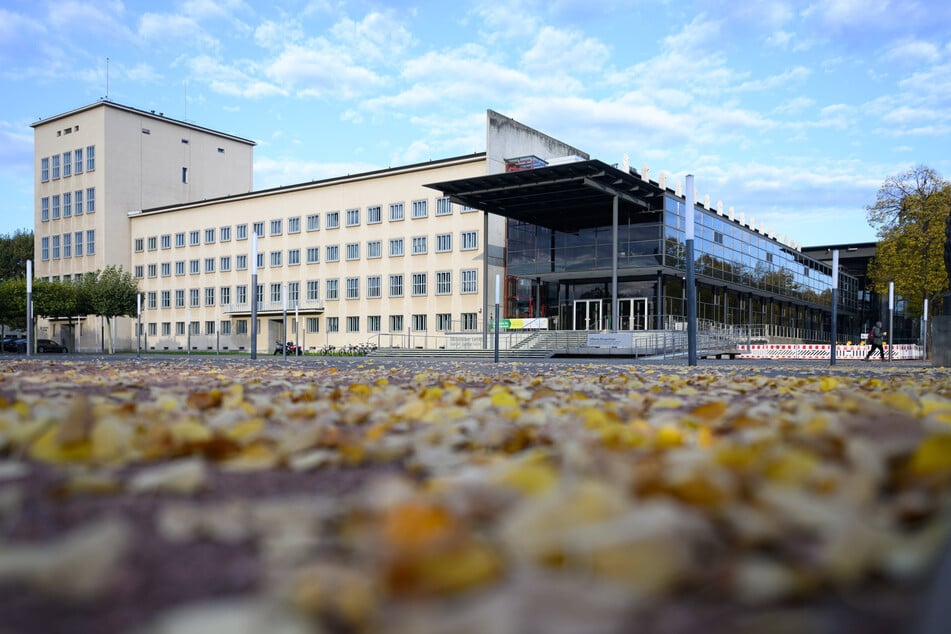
(565, 197)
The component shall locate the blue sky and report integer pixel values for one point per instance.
(791, 112)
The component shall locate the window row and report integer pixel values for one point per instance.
(68, 204)
(396, 285)
(67, 164)
(418, 322)
(68, 245)
(396, 247)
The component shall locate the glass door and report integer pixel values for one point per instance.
(588, 314)
(633, 313)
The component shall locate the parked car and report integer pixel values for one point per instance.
(10, 343)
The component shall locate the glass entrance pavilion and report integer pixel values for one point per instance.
(593, 247)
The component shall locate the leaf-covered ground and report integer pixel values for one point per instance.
(308, 496)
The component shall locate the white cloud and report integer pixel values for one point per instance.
(564, 52)
(319, 69)
(229, 80)
(272, 172)
(276, 35)
(165, 29)
(912, 51)
(378, 37)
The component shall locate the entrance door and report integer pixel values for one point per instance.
(632, 313)
(588, 314)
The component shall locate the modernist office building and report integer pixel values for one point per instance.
(401, 254)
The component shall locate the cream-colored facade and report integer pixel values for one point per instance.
(375, 257)
(92, 166)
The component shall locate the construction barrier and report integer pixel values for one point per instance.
(820, 351)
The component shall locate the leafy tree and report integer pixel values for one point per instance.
(909, 215)
(111, 294)
(15, 250)
(13, 303)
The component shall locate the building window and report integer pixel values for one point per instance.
(224, 234)
(138, 245)
(313, 255)
(67, 164)
(333, 289)
(277, 227)
(419, 245)
(241, 293)
(293, 293)
(293, 257)
(78, 160)
(180, 239)
(374, 287)
(353, 250)
(55, 206)
(333, 324)
(67, 245)
(224, 263)
(241, 232)
(353, 288)
(374, 249)
(276, 293)
(259, 260)
(333, 219)
(166, 299)
(138, 271)
(443, 283)
(373, 323)
(209, 327)
(241, 327)
(224, 293)
(443, 206)
(470, 240)
(209, 236)
(396, 285)
(90, 158)
(396, 323)
(374, 215)
(469, 282)
(55, 166)
(396, 247)
(90, 242)
(313, 222)
(470, 321)
(56, 247)
(44, 248)
(194, 238)
(45, 209)
(153, 243)
(258, 228)
(90, 200)
(180, 267)
(443, 322)
(194, 266)
(78, 202)
(153, 270)
(353, 324)
(419, 284)
(396, 212)
(353, 217)
(180, 298)
(194, 297)
(179, 328)
(44, 169)
(78, 243)
(210, 296)
(293, 225)
(67, 204)
(333, 253)
(419, 323)
(166, 241)
(209, 265)
(313, 324)
(185, 175)
(420, 209)
(276, 258)
(241, 262)
(225, 326)
(313, 290)
(166, 269)
(443, 242)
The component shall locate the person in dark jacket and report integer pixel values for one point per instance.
(875, 339)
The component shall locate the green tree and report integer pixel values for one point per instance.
(15, 250)
(13, 303)
(112, 294)
(909, 215)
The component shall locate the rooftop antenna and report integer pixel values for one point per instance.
(107, 79)
(185, 118)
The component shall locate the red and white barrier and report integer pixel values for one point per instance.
(820, 351)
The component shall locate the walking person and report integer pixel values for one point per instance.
(875, 339)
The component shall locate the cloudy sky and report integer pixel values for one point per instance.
(791, 112)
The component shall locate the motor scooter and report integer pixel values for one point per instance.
(291, 348)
